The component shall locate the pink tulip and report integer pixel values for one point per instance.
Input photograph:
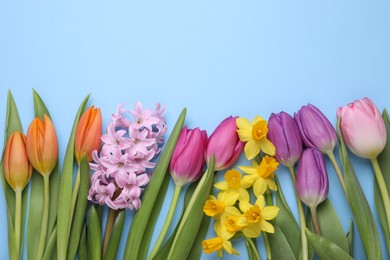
(362, 127)
(225, 144)
(187, 159)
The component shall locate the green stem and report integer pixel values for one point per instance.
(314, 219)
(302, 221)
(45, 217)
(254, 248)
(382, 188)
(18, 220)
(338, 171)
(109, 225)
(74, 196)
(167, 223)
(267, 247)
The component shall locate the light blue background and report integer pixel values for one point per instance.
(216, 58)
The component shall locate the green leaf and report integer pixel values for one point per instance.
(164, 250)
(83, 248)
(192, 216)
(384, 163)
(359, 206)
(141, 218)
(330, 225)
(286, 222)
(197, 249)
(251, 254)
(279, 246)
(50, 245)
(115, 237)
(80, 209)
(325, 248)
(12, 124)
(65, 190)
(94, 232)
(36, 194)
(350, 236)
(146, 238)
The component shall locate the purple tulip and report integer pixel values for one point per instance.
(312, 178)
(283, 132)
(316, 130)
(187, 159)
(225, 144)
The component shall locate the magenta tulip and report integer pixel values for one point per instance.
(362, 127)
(187, 159)
(312, 178)
(316, 130)
(283, 132)
(225, 144)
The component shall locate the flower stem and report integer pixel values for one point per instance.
(254, 248)
(74, 195)
(267, 247)
(314, 219)
(109, 225)
(305, 253)
(338, 171)
(167, 223)
(18, 219)
(382, 188)
(45, 216)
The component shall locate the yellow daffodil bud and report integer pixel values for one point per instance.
(42, 145)
(88, 133)
(17, 169)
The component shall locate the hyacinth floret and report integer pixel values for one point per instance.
(123, 167)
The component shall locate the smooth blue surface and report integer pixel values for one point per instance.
(216, 58)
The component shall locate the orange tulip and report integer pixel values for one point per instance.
(88, 133)
(42, 145)
(17, 169)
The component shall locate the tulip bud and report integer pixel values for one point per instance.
(312, 178)
(42, 145)
(225, 144)
(283, 132)
(17, 169)
(88, 133)
(187, 159)
(363, 128)
(316, 130)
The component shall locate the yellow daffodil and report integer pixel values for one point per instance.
(256, 217)
(255, 136)
(231, 221)
(233, 184)
(216, 207)
(261, 176)
(218, 243)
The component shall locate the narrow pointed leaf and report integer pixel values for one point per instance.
(80, 209)
(192, 216)
(12, 124)
(83, 248)
(65, 191)
(143, 250)
(51, 245)
(94, 233)
(359, 206)
(325, 248)
(115, 237)
(384, 162)
(280, 247)
(287, 223)
(141, 218)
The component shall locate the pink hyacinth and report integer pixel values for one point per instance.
(124, 164)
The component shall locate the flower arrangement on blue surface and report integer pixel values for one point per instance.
(127, 168)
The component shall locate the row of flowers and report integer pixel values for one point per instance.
(118, 169)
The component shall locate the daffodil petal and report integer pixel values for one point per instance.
(252, 230)
(244, 206)
(221, 185)
(259, 187)
(243, 194)
(266, 226)
(252, 148)
(248, 169)
(260, 201)
(270, 212)
(257, 119)
(267, 146)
